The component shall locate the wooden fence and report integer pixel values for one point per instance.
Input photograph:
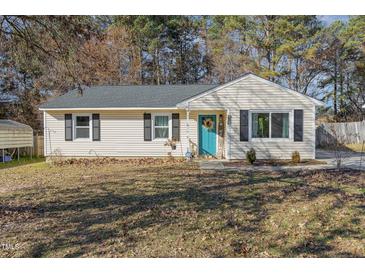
(38, 145)
(350, 133)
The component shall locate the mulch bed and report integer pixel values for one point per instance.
(240, 163)
(127, 161)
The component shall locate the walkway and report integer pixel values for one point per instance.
(352, 162)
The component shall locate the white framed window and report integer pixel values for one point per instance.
(271, 125)
(260, 125)
(279, 125)
(82, 126)
(161, 126)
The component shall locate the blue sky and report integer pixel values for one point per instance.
(328, 19)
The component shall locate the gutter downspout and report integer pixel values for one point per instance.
(188, 127)
(228, 133)
(44, 134)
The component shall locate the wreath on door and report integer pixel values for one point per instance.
(208, 123)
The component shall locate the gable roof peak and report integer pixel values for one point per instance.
(242, 77)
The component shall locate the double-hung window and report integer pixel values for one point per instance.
(161, 127)
(82, 127)
(270, 125)
(279, 125)
(260, 125)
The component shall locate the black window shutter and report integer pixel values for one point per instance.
(68, 127)
(243, 125)
(96, 126)
(176, 126)
(298, 125)
(147, 126)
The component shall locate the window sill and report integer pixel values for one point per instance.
(270, 140)
(82, 140)
(160, 139)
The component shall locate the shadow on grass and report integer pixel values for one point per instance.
(319, 246)
(97, 213)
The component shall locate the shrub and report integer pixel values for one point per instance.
(295, 157)
(251, 156)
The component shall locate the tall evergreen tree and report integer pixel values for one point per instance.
(48, 55)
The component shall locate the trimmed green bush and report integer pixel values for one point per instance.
(295, 157)
(251, 156)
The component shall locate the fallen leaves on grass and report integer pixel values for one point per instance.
(164, 208)
(109, 160)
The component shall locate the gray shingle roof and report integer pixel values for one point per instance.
(127, 96)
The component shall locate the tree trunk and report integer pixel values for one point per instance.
(141, 66)
(341, 91)
(335, 88)
(157, 67)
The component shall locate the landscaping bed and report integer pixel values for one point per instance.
(138, 161)
(240, 163)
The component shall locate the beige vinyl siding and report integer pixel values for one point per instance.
(121, 134)
(13, 138)
(253, 94)
(122, 130)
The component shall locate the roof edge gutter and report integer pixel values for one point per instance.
(106, 108)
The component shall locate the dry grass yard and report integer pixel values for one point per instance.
(164, 209)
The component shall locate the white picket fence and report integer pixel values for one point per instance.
(350, 132)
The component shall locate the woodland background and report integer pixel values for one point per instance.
(45, 56)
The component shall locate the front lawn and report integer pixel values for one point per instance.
(129, 209)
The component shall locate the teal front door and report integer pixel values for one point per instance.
(207, 135)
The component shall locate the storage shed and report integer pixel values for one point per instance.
(14, 135)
